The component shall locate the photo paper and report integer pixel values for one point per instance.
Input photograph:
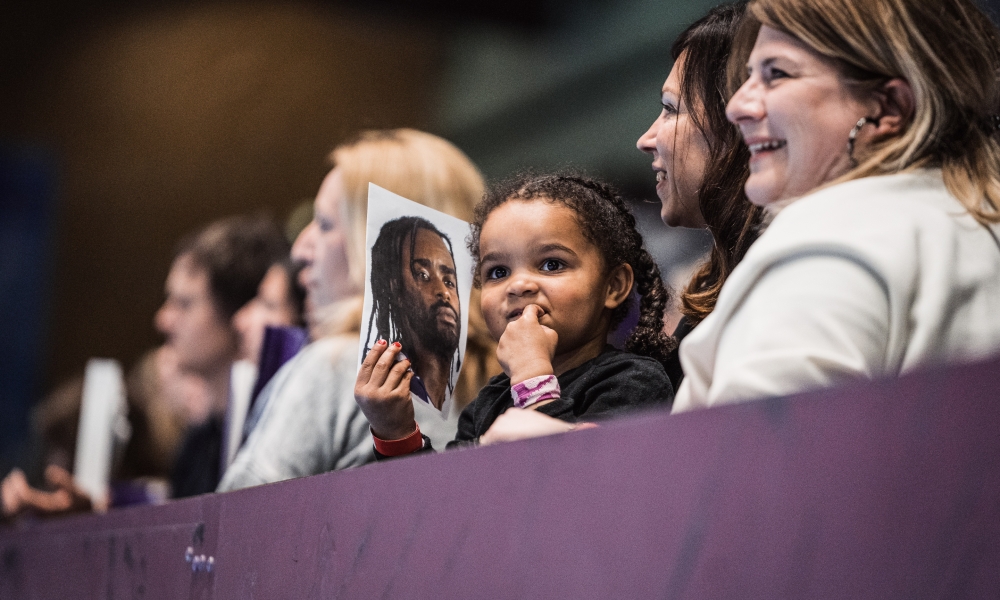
(418, 280)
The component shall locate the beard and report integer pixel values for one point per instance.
(439, 338)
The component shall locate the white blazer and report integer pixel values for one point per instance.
(869, 278)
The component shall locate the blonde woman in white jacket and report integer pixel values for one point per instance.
(876, 157)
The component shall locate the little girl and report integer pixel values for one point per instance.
(557, 258)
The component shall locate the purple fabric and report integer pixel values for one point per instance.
(130, 493)
(279, 346)
(418, 388)
(884, 490)
(618, 335)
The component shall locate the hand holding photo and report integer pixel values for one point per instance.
(417, 287)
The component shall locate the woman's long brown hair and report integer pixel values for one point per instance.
(722, 37)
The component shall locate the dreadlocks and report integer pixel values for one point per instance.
(392, 307)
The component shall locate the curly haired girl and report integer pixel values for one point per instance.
(557, 260)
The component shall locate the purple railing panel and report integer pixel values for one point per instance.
(884, 490)
(128, 553)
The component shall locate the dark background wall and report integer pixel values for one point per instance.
(160, 121)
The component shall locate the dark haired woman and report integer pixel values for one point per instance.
(701, 166)
(699, 158)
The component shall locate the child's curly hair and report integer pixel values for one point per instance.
(606, 221)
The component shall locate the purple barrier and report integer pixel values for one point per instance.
(888, 490)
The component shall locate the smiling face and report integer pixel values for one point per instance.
(431, 290)
(533, 252)
(679, 152)
(795, 113)
(321, 248)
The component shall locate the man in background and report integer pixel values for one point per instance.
(213, 275)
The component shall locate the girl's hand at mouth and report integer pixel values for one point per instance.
(527, 347)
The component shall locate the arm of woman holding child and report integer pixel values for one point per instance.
(526, 423)
(525, 351)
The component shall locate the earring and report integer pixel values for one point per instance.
(854, 134)
(851, 136)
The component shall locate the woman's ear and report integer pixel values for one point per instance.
(620, 281)
(895, 104)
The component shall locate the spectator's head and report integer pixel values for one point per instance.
(279, 302)
(844, 89)
(699, 159)
(214, 274)
(416, 165)
(698, 155)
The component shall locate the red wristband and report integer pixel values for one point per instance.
(407, 445)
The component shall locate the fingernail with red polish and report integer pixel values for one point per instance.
(397, 344)
(381, 342)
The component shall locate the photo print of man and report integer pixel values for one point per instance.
(416, 293)
(415, 302)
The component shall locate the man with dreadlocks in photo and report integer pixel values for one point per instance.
(415, 304)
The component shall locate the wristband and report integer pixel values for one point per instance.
(534, 390)
(407, 445)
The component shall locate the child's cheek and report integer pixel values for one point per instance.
(497, 327)
(493, 313)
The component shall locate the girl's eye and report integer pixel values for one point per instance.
(551, 264)
(497, 273)
(669, 108)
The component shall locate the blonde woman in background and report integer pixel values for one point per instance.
(309, 422)
(872, 127)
